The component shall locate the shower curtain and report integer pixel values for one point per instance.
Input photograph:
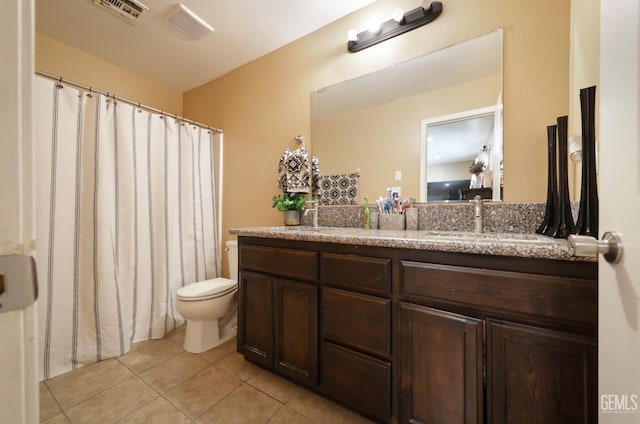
(125, 216)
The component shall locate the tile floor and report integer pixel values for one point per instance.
(158, 382)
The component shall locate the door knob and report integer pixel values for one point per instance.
(610, 246)
(18, 286)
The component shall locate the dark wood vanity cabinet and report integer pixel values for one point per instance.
(412, 336)
(278, 317)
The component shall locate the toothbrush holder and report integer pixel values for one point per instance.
(374, 217)
(391, 221)
(411, 218)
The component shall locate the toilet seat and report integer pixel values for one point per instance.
(208, 289)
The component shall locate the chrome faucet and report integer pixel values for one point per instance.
(478, 214)
(314, 202)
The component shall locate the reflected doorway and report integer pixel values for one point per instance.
(456, 145)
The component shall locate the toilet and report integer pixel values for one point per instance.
(211, 308)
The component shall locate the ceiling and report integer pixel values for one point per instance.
(244, 31)
(460, 141)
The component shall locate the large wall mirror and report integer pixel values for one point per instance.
(390, 125)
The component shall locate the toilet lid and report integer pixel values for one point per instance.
(207, 289)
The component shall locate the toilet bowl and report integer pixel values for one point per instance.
(210, 308)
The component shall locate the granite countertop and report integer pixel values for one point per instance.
(499, 244)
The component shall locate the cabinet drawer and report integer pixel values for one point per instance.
(568, 300)
(357, 380)
(371, 275)
(292, 263)
(357, 320)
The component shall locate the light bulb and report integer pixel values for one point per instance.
(374, 25)
(352, 35)
(575, 148)
(398, 15)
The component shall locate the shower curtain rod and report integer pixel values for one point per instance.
(131, 102)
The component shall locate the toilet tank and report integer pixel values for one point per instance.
(232, 254)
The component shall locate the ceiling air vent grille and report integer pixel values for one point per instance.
(130, 10)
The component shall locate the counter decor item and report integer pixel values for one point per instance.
(392, 211)
(587, 223)
(367, 214)
(563, 221)
(552, 183)
(411, 218)
(291, 204)
(391, 221)
(477, 173)
(375, 218)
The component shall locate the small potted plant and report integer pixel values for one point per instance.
(291, 204)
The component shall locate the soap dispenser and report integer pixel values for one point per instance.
(367, 214)
(478, 214)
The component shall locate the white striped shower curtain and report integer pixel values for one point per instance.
(125, 216)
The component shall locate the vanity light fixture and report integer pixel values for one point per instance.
(399, 24)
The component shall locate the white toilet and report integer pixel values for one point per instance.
(211, 308)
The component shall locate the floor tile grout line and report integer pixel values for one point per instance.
(136, 410)
(282, 405)
(163, 397)
(146, 369)
(54, 399)
(208, 363)
(178, 407)
(298, 387)
(95, 394)
(264, 392)
(217, 360)
(219, 400)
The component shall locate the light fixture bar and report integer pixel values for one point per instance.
(411, 20)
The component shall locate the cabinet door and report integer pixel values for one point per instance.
(255, 317)
(296, 330)
(356, 380)
(440, 367)
(537, 375)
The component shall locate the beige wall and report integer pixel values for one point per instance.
(449, 172)
(62, 60)
(383, 139)
(585, 72)
(263, 104)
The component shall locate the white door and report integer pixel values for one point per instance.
(619, 193)
(18, 371)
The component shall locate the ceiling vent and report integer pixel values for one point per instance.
(129, 10)
(188, 22)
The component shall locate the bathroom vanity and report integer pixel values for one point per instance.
(424, 326)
